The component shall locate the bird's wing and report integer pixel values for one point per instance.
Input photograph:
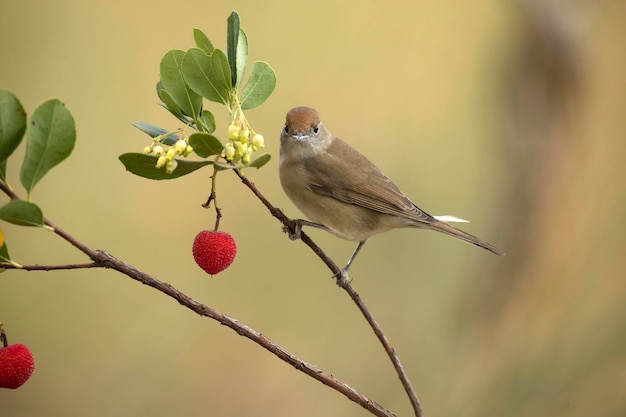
(367, 187)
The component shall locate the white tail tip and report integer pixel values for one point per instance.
(451, 219)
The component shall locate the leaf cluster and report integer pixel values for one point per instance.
(189, 77)
(50, 134)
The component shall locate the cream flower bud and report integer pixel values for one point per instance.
(233, 132)
(180, 146)
(161, 161)
(157, 150)
(244, 134)
(258, 141)
(147, 149)
(170, 165)
(229, 151)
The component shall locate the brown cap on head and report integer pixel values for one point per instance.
(300, 119)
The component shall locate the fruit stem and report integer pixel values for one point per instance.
(3, 337)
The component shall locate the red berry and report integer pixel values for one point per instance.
(214, 251)
(16, 366)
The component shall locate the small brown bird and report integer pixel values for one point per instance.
(341, 191)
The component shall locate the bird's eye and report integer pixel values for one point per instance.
(316, 129)
(286, 129)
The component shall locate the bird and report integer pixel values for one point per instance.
(341, 191)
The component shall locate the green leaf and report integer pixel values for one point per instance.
(185, 98)
(260, 161)
(205, 145)
(22, 213)
(3, 171)
(4, 253)
(257, 163)
(154, 131)
(236, 49)
(49, 140)
(12, 124)
(208, 75)
(259, 87)
(207, 121)
(169, 103)
(202, 41)
(145, 166)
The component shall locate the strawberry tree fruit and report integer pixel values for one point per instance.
(16, 366)
(214, 251)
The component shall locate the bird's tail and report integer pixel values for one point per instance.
(464, 236)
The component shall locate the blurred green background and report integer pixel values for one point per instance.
(508, 113)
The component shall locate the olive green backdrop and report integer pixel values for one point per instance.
(508, 113)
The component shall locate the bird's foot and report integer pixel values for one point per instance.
(297, 233)
(343, 279)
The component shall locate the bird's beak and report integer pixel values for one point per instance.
(300, 136)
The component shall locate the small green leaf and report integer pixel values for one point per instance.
(208, 75)
(205, 145)
(232, 44)
(3, 171)
(172, 78)
(154, 131)
(22, 213)
(260, 161)
(202, 41)
(207, 121)
(259, 87)
(4, 253)
(145, 166)
(236, 49)
(12, 124)
(49, 140)
(169, 103)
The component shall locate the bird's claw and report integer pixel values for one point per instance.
(343, 279)
(297, 233)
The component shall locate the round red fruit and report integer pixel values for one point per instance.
(214, 251)
(16, 366)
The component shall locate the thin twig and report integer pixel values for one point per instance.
(391, 352)
(49, 267)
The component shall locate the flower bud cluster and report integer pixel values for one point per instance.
(242, 142)
(166, 154)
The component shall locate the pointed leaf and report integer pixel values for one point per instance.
(232, 40)
(236, 49)
(22, 213)
(242, 56)
(3, 171)
(260, 161)
(49, 140)
(172, 78)
(145, 166)
(259, 87)
(4, 253)
(154, 131)
(205, 145)
(169, 103)
(207, 121)
(202, 41)
(12, 123)
(208, 75)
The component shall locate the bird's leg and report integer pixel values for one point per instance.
(343, 278)
(299, 223)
